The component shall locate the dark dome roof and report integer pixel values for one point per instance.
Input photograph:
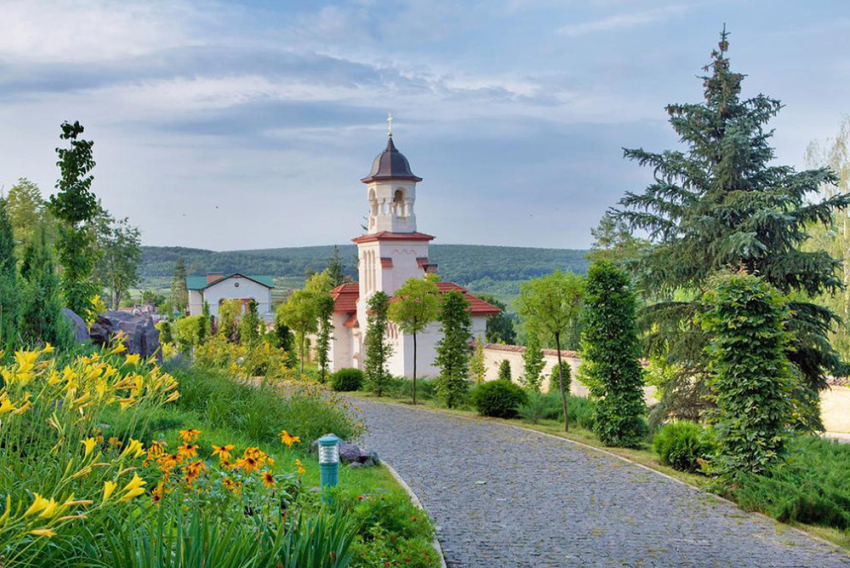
(390, 164)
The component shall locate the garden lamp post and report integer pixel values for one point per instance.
(329, 462)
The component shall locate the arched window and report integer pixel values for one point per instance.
(398, 203)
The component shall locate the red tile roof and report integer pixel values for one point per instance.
(388, 236)
(345, 297)
(386, 262)
(345, 300)
(477, 306)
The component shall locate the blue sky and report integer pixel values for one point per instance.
(248, 125)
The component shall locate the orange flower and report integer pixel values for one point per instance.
(268, 479)
(287, 439)
(233, 486)
(187, 450)
(301, 469)
(189, 435)
(249, 464)
(223, 452)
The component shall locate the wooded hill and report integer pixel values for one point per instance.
(485, 269)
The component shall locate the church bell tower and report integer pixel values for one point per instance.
(391, 191)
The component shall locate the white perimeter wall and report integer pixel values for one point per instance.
(495, 354)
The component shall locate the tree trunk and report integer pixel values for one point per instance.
(414, 368)
(561, 383)
(302, 354)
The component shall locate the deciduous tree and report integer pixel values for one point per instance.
(119, 248)
(533, 362)
(75, 206)
(750, 379)
(300, 314)
(416, 305)
(9, 292)
(552, 306)
(611, 355)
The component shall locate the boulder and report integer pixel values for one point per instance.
(78, 326)
(140, 335)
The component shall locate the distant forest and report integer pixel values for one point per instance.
(483, 269)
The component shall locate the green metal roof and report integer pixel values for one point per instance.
(200, 282)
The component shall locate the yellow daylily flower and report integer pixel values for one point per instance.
(89, 443)
(134, 448)
(118, 349)
(134, 488)
(49, 510)
(6, 405)
(108, 488)
(42, 532)
(47, 348)
(38, 505)
(132, 359)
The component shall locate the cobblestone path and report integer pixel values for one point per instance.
(504, 497)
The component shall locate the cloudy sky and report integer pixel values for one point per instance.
(229, 125)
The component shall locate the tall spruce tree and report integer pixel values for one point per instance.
(533, 362)
(721, 204)
(453, 349)
(9, 293)
(377, 346)
(335, 268)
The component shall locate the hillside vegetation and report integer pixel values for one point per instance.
(484, 269)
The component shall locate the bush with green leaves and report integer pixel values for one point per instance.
(682, 445)
(498, 399)
(549, 406)
(812, 486)
(555, 377)
(189, 331)
(751, 380)
(347, 380)
(611, 356)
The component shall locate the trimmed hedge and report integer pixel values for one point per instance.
(347, 380)
(498, 399)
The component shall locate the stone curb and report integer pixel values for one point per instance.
(621, 458)
(413, 497)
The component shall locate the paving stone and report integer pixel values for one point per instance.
(502, 497)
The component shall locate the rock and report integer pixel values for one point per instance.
(78, 326)
(350, 453)
(140, 334)
(355, 464)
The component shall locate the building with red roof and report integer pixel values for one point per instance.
(391, 252)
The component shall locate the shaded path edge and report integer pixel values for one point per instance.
(435, 542)
(699, 490)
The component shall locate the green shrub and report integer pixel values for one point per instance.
(812, 486)
(505, 370)
(539, 406)
(682, 444)
(498, 399)
(549, 407)
(347, 380)
(400, 387)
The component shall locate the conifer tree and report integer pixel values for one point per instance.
(477, 365)
(721, 204)
(42, 320)
(9, 293)
(325, 310)
(249, 328)
(505, 372)
(533, 362)
(179, 291)
(378, 348)
(335, 268)
(75, 206)
(453, 349)
(611, 355)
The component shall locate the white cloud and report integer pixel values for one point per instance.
(622, 21)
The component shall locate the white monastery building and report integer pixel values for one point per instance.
(214, 288)
(391, 252)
